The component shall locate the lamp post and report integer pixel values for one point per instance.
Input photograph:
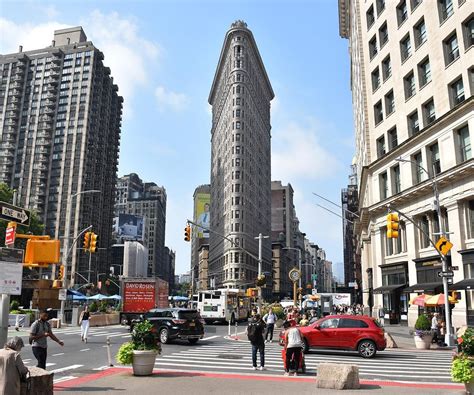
(449, 340)
(299, 260)
(260, 238)
(67, 233)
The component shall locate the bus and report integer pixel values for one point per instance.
(224, 305)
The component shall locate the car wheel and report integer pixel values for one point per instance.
(193, 341)
(164, 336)
(367, 349)
(306, 346)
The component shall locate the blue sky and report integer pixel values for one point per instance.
(163, 56)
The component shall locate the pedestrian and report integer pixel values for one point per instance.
(12, 369)
(435, 328)
(293, 345)
(39, 333)
(304, 321)
(255, 330)
(382, 316)
(269, 319)
(84, 322)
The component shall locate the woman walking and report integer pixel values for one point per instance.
(84, 321)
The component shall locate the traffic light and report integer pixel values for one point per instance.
(61, 272)
(87, 239)
(93, 242)
(187, 233)
(392, 225)
(252, 292)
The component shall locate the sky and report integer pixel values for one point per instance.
(163, 56)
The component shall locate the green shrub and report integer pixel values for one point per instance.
(423, 323)
(93, 307)
(125, 354)
(466, 342)
(103, 306)
(462, 369)
(14, 305)
(144, 337)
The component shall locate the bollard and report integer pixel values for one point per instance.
(229, 329)
(236, 329)
(108, 352)
(17, 322)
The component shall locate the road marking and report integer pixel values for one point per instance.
(108, 334)
(65, 378)
(209, 338)
(102, 368)
(65, 368)
(118, 334)
(50, 364)
(126, 336)
(56, 355)
(85, 349)
(26, 360)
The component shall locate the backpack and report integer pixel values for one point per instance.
(30, 339)
(253, 331)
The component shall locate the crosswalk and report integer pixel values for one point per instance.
(117, 331)
(390, 365)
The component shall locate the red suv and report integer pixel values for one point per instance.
(344, 332)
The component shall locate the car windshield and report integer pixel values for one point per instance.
(188, 315)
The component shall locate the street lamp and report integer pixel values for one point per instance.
(449, 335)
(299, 260)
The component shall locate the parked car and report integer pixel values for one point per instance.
(175, 323)
(344, 332)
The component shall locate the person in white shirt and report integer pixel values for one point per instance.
(293, 344)
(269, 319)
(435, 328)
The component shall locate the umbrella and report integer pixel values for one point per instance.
(97, 297)
(115, 297)
(438, 300)
(180, 298)
(420, 300)
(75, 295)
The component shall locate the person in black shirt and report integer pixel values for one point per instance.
(84, 321)
(255, 330)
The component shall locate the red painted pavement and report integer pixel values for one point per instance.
(113, 371)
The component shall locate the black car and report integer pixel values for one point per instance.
(174, 324)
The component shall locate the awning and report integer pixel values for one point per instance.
(424, 287)
(467, 284)
(387, 289)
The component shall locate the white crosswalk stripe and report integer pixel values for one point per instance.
(393, 365)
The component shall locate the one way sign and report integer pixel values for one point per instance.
(9, 212)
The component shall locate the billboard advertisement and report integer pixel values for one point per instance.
(138, 296)
(202, 214)
(130, 227)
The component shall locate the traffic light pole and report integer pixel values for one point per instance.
(260, 238)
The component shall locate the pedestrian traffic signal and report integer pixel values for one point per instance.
(392, 225)
(93, 242)
(61, 272)
(252, 292)
(187, 233)
(87, 239)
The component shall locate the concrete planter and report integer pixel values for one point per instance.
(470, 387)
(423, 343)
(104, 319)
(144, 362)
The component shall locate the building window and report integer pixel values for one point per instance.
(451, 48)
(470, 219)
(396, 182)
(465, 151)
(381, 146)
(420, 33)
(386, 68)
(468, 31)
(424, 72)
(413, 123)
(457, 92)
(445, 9)
(402, 12)
(389, 103)
(373, 47)
(370, 17)
(405, 47)
(383, 34)
(375, 79)
(392, 138)
(410, 86)
(417, 168)
(383, 186)
(414, 4)
(429, 115)
(435, 161)
(380, 6)
(424, 225)
(378, 112)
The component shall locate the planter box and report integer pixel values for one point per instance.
(423, 343)
(143, 362)
(104, 319)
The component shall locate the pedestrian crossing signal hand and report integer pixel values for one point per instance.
(187, 233)
(392, 225)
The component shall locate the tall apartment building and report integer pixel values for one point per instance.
(412, 85)
(199, 236)
(147, 200)
(240, 165)
(60, 119)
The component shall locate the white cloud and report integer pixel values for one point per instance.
(50, 11)
(171, 100)
(297, 153)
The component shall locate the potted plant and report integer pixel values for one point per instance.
(142, 350)
(423, 332)
(462, 368)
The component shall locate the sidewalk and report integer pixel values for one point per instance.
(120, 380)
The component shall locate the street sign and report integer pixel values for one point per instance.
(450, 281)
(314, 277)
(454, 267)
(62, 294)
(11, 267)
(8, 212)
(314, 291)
(352, 284)
(443, 245)
(10, 236)
(446, 274)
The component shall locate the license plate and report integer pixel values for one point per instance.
(192, 324)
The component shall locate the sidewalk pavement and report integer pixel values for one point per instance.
(121, 380)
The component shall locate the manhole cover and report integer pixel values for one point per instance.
(230, 356)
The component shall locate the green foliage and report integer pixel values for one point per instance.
(422, 323)
(14, 305)
(466, 342)
(462, 369)
(277, 310)
(103, 306)
(125, 354)
(93, 307)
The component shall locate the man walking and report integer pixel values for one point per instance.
(39, 333)
(269, 319)
(255, 335)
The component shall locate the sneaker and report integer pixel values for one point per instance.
(254, 367)
(85, 339)
(286, 374)
(295, 374)
(262, 368)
